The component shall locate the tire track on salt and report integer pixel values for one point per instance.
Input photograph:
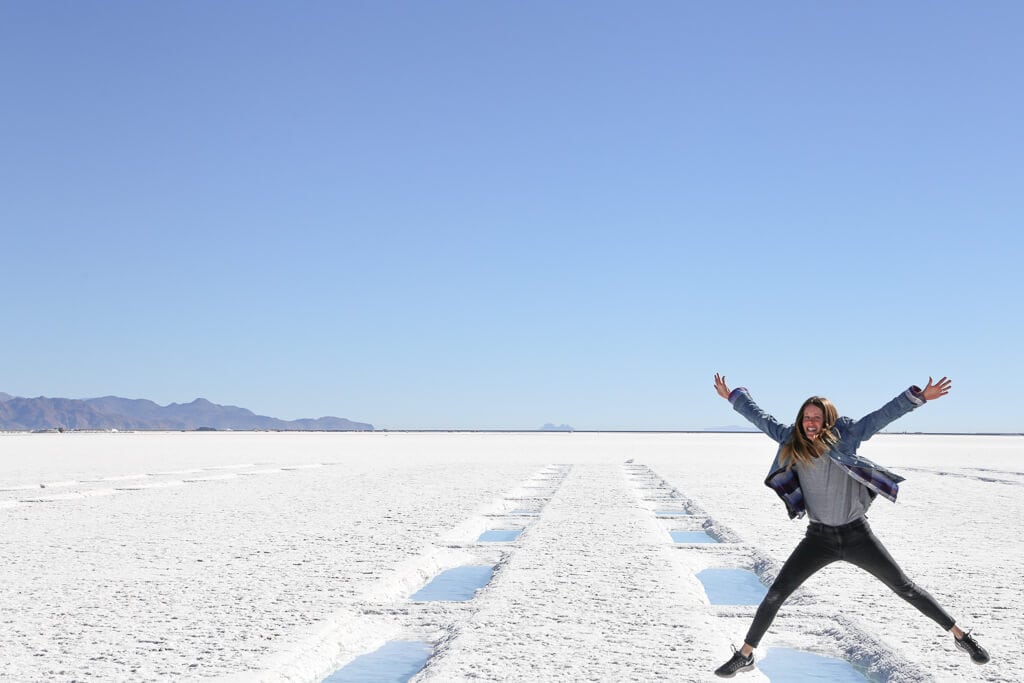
(591, 593)
(386, 612)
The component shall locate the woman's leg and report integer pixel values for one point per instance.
(813, 553)
(869, 554)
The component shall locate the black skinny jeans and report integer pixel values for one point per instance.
(853, 543)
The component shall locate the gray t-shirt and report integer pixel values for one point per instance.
(833, 497)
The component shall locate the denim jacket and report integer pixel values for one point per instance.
(851, 433)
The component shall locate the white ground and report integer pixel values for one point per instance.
(282, 556)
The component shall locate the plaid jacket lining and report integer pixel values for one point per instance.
(787, 485)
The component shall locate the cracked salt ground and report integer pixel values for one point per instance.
(289, 576)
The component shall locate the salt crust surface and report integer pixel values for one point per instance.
(280, 557)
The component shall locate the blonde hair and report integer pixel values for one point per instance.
(801, 450)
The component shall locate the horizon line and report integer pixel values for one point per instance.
(450, 430)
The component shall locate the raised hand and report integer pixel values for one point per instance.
(937, 390)
(721, 387)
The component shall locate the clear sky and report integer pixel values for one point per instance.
(501, 214)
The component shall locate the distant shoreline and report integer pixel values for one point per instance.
(667, 431)
(454, 431)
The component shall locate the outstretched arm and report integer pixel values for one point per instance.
(869, 425)
(745, 406)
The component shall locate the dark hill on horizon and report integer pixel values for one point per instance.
(113, 412)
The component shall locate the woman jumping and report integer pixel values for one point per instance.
(817, 471)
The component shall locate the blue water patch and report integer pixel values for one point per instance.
(692, 537)
(796, 666)
(455, 585)
(500, 535)
(732, 586)
(395, 662)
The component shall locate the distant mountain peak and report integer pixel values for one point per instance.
(114, 412)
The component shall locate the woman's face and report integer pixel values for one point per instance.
(813, 421)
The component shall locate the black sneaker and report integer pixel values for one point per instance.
(736, 664)
(969, 645)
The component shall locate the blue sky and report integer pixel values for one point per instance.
(497, 215)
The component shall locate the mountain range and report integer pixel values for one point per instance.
(113, 412)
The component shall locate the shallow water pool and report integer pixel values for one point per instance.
(394, 662)
(785, 665)
(732, 586)
(500, 535)
(455, 585)
(692, 537)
